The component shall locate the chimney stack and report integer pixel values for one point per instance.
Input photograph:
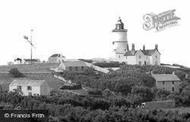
(133, 46)
(143, 47)
(156, 47)
(127, 47)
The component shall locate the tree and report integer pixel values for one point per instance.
(161, 94)
(15, 73)
(144, 92)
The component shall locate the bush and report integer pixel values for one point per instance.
(106, 64)
(15, 73)
(72, 87)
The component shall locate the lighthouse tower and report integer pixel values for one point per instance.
(120, 41)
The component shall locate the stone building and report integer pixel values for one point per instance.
(30, 87)
(169, 82)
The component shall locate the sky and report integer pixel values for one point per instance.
(83, 28)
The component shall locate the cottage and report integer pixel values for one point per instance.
(76, 66)
(30, 87)
(169, 82)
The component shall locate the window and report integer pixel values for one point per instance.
(163, 83)
(70, 68)
(82, 68)
(172, 82)
(76, 68)
(139, 57)
(173, 89)
(139, 62)
(19, 87)
(29, 88)
(144, 62)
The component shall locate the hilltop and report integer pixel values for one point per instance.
(30, 68)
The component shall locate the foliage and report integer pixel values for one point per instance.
(144, 93)
(161, 94)
(15, 73)
(72, 108)
(95, 92)
(72, 87)
(108, 64)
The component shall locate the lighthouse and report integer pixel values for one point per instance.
(120, 42)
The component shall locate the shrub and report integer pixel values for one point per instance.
(15, 73)
(95, 92)
(72, 87)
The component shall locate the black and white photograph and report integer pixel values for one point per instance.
(94, 61)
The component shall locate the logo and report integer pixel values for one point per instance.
(160, 21)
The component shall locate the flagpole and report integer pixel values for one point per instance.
(31, 45)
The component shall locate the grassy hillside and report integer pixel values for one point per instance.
(30, 68)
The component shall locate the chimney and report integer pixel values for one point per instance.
(156, 47)
(133, 46)
(127, 47)
(143, 47)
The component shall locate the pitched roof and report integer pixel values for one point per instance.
(56, 55)
(165, 77)
(145, 52)
(27, 82)
(74, 63)
(149, 52)
(130, 53)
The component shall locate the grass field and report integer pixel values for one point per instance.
(30, 68)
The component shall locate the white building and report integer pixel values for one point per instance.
(56, 58)
(133, 57)
(143, 57)
(30, 87)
